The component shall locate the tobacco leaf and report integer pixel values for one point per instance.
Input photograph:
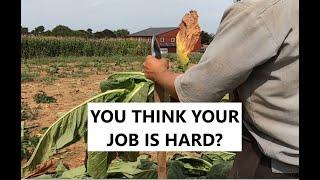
(66, 130)
(79, 172)
(42, 168)
(187, 37)
(123, 169)
(220, 170)
(195, 166)
(98, 163)
(71, 127)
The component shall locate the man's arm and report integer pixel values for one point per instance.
(242, 42)
(166, 80)
(157, 71)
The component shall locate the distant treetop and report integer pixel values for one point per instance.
(65, 31)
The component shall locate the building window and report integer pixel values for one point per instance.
(173, 39)
(162, 39)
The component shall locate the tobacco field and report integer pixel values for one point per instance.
(59, 76)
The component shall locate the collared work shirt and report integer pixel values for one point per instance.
(256, 52)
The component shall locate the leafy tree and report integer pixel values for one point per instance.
(24, 30)
(104, 34)
(89, 30)
(121, 33)
(81, 33)
(206, 38)
(39, 29)
(65, 31)
(47, 33)
(61, 30)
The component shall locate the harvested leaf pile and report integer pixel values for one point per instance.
(71, 127)
(208, 166)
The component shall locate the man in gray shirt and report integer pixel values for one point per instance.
(256, 53)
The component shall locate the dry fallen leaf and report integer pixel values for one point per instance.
(188, 36)
(42, 168)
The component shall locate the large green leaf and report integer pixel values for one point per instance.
(139, 90)
(142, 168)
(195, 166)
(176, 170)
(78, 172)
(217, 157)
(220, 170)
(120, 87)
(145, 163)
(119, 169)
(98, 163)
(147, 174)
(128, 156)
(123, 80)
(67, 130)
(221, 163)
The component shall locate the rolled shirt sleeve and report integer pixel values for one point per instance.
(242, 42)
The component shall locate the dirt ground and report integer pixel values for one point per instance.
(69, 91)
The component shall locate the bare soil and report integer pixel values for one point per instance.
(69, 91)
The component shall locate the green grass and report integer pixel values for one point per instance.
(71, 66)
(96, 60)
(85, 61)
(49, 80)
(28, 144)
(27, 76)
(52, 69)
(42, 97)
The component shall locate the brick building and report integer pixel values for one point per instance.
(166, 37)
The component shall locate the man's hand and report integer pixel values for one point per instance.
(152, 67)
(157, 71)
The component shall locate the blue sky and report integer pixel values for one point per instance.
(133, 15)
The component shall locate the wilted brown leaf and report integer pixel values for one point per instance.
(42, 168)
(187, 36)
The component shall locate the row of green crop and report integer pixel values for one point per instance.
(52, 47)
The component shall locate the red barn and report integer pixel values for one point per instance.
(166, 37)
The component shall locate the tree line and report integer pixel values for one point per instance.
(65, 31)
(206, 38)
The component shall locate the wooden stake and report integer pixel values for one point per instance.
(162, 165)
(161, 156)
